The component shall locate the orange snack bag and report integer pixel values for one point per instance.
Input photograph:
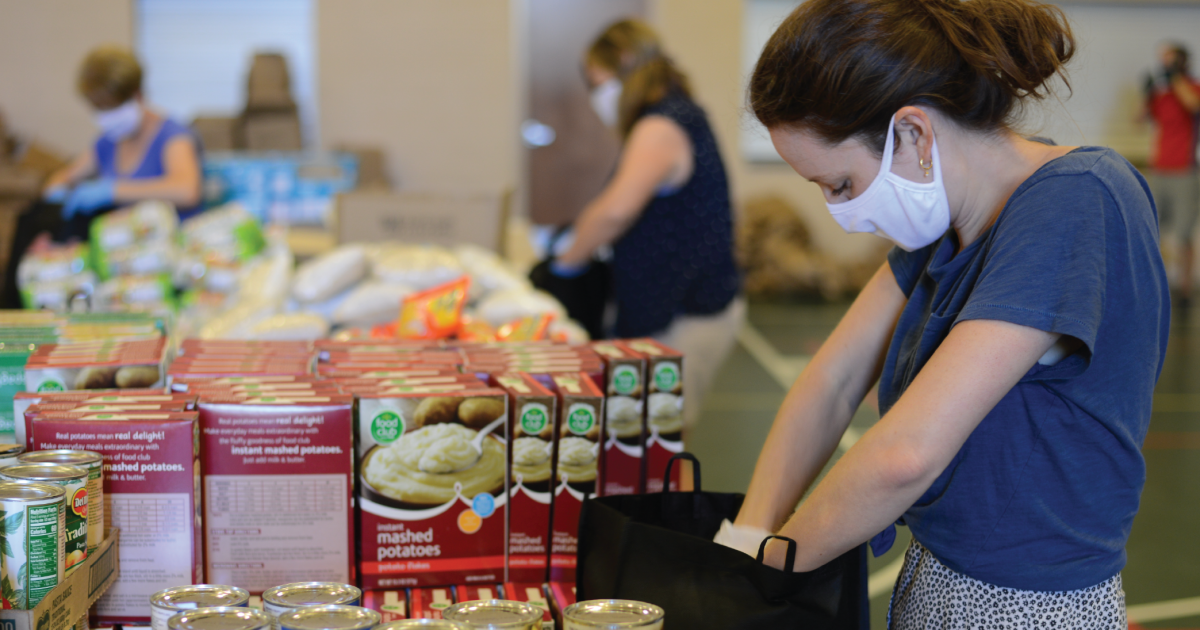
(532, 328)
(434, 313)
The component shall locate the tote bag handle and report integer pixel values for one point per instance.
(789, 564)
(695, 471)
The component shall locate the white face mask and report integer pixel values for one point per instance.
(606, 101)
(910, 213)
(120, 122)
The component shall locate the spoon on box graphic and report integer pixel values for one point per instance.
(477, 442)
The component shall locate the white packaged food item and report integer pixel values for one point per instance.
(290, 327)
(744, 538)
(237, 322)
(55, 294)
(370, 303)
(502, 307)
(419, 267)
(152, 292)
(488, 271)
(227, 232)
(140, 259)
(327, 275)
(145, 222)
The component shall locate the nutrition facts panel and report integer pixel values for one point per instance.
(277, 494)
(155, 551)
(266, 530)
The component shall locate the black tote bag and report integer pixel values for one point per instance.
(658, 548)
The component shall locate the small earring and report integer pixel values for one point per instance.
(921, 163)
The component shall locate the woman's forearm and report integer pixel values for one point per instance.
(599, 225)
(179, 193)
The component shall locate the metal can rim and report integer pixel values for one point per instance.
(89, 459)
(274, 595)
(158, 599)
(68, 472)
(52, 492)
(655, 615)
(527, 613)
(257, 619)
(294, 618)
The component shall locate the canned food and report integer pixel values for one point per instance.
(428, 624)
(330, 617)
(34, 525)
(496, 613)
(92, 462)
(10, 453)
(220, 618)
(74, 481)
(612, 614)
(170, 602)
(284, 598)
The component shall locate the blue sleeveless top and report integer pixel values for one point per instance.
(677, 259)
(152, 164)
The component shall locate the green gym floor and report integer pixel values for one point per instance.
(1162, 578)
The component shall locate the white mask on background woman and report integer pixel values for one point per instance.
(913, 214)
(120, 122)
(606, 101)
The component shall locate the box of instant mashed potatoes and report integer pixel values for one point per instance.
(432, 479)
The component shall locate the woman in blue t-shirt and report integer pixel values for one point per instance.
(140, 154)
(1016, 331)
(665, 212)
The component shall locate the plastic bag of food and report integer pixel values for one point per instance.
(568, 331)
(143, 258)
(508, 305)
(228, 232)
(290, 327)
(434, 313)
(329, 274)
(56, 294)
(145, 222)
(147, 293)
(488, 271)
(419, 267)
(531, 328)
(56, 262)
(471, 328)
(370, 303)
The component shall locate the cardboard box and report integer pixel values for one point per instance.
(625, 418)
(391, 605)
(151, 492)
(476, 592)
(372, 166)
(68, 603)
(96, 365)
(272, 131)
(277, 492)
(664, 409)
(532, 410)
(268, 84)
(433, 508)
(429, 603)
(372, 216)
(561, 595)
(531, 593)
(217, 133)
(578, 469)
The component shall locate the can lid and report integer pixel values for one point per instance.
(330, 617)
(428, 624)
(57, 456)
(43, 472)
(24, 490)
(8, 450)
(220, 618)
(301, 594)
(195, 596)
(613, 614)
(495, 613)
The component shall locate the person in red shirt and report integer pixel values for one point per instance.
(1173, 101)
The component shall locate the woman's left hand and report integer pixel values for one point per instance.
(89, 196)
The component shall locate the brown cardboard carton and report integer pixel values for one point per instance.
(432, 473)
(67, 605)
(372, 216)
(272, 131)
(268, 85)
(664, 409)
(217, 133)
(277, 492)
(532, 410)
(151, 492)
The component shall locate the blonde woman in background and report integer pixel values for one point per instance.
(665, 212)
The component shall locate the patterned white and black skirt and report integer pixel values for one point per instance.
(929, 595)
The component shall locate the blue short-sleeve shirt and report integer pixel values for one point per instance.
(1043, 493)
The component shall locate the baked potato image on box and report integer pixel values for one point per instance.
(137, 376)
(95, 378)
(437, 410)
(478, 412)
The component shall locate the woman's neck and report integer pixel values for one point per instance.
(988, 170)
(146, 129)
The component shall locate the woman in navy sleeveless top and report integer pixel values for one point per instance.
(666, 211)
(140, 153)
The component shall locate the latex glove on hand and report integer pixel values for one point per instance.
(568, 271)
(57, 194)
(88, 197)
(744, 538)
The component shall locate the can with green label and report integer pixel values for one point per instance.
(74, 482)
(93, 462)
(33, 523)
